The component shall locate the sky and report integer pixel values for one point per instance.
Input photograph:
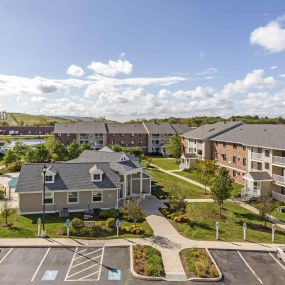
(126, 59)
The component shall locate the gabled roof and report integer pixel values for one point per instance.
(259, 176)
(181, 128)
(70, 176)
(80, 128)
(260, 135)
(95, 170)
(159, 128)
(211, 130)
(126, 128)
(106, 149)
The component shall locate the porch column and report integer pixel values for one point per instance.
(141, 182)
(125, 188)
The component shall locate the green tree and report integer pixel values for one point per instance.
(132, 211)
(145, 160)
(20, 150)
(31, 155)
(205, 170)
(59, 151)
(177, 204)
(265, 206)
(173, 147)
(50, 142)
(42, 153)
(6, 209)
(222, 187)
(85, 146)
(73, 149)
(2, 193)
(9, 157)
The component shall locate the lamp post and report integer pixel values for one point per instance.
(44, 194)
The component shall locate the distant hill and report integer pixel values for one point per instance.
(77, 118)
(19, 119)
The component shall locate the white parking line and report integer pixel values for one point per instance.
(82, 250)
(86, 261)
(6, 255)
(84, 269)
(88, 253)
(66, 276)
(40, 265)
(84, 278)
(277, 260)
(101, 262)
(260, 281)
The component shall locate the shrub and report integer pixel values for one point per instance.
(134, 229)
(109, 213)
(111, 223)
(77, 224)
(133, 212)
(178, 217)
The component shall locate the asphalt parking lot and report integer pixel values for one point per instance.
(111, 265)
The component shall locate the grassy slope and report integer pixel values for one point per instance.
(171, 184)
(165, 163)
(13, 119)
(203, 217)
(26, 226)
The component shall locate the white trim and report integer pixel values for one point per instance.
(71, 203)
(101, 196)
(47, 204)
(233, 168)
(69, 190)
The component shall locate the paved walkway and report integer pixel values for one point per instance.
(199, 200)
(170, 172)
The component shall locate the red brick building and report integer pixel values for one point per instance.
(26, 130)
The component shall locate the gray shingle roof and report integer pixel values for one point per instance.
(80, 128)
(181, 128)
(159, 128)
(70, 176)
(210, 130)
(126, 129)
(189, 155)
(260, 175)
(260, 135)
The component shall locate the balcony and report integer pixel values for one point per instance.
(199, 145)
(279, 178)
(278, 196)
(250, 193)
(256, 156)
(278, 160)
(191, 144)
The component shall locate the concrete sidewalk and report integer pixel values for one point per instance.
(181, 177)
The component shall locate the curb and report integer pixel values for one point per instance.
(211, 279)
(138, 276)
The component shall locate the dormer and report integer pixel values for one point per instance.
(123, 157)
(96, 174)
(50, 174)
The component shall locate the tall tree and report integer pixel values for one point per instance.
(42, 153)
(59, 151)
(20, 150)
(205, 170)
(222, 187)
(73, 149)
(265, 207)
(9, 157)
(173, 147)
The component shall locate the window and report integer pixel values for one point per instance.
(234, 146)
(224, 156)
(97, 196)
(48, 197)
(224, 144)
(236, 173)
(266, 165)
(244, 148)
(244, 161)
(96, 177)
(267, 153)
(234, 159)
(72, 197)
(49, 178)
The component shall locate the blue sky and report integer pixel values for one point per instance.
(168, 58)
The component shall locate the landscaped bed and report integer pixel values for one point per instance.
(26, 227)
(166, 185)
(147, 261)
(165, 163)
(197, 263)
(202, 218)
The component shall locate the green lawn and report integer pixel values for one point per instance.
(170, 184)
(203, 217)
(26, 226)
(165, 163)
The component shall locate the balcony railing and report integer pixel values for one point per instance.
(191, 144)
(279, 160)
(250, 192)
(279, 178)
(256, 156)
(278, 196)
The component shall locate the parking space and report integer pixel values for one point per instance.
(255, 268)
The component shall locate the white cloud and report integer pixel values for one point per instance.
(271, 36)
(38, 99)
(197, 93)
(282, 75)
(208, 71)
(112, 68)
(75, 70)
(202, 54)
(122, 54)
(273, 67)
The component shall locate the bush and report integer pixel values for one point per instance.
(109, 213)
(134, 229)
(178, 217)
(133, 212)
(111, 224)
(77, 224)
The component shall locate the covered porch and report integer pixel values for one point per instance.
(188, 161)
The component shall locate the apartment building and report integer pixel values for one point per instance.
(127, 135)
(262, 148)
(197, 143)
(93, 133)
(26, 130)
(150, 137)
